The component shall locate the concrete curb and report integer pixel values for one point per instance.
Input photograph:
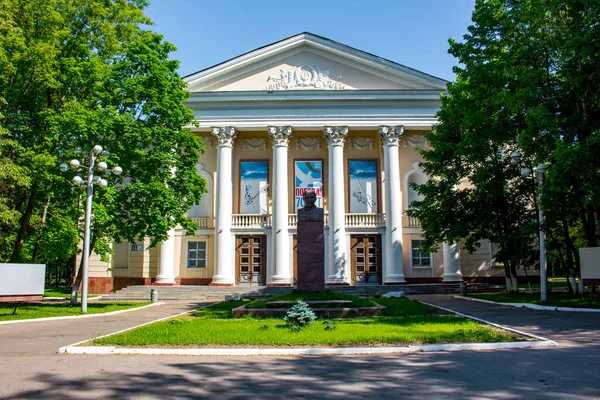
(313, 351)
(20, 321)
(309, 351)
(532, 306)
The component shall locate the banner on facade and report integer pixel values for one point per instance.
(253, 187)
(309, 175)
(363, 186)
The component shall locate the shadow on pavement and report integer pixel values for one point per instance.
(561, 373)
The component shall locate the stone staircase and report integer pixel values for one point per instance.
(408, 289)
(192, 292)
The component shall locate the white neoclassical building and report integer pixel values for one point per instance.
(305, 112)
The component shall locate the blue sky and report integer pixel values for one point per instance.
(411, 32)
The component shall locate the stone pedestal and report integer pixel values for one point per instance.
(311, 255)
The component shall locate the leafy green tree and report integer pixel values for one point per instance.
(78, 73)
(528, 81)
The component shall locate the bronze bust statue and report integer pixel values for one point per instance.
(310, 212)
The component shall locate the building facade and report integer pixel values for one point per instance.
(303, 113)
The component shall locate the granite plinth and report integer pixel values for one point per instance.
(311, 255)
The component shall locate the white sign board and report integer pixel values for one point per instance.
(253, 187)
(590, 262)
(22, 279)
(363, 186)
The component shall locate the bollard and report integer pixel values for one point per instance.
(154, 295)
(464, 290)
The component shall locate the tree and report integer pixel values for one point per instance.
(84, 72)
(528, 81)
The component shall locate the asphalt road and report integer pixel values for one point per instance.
(31, 368)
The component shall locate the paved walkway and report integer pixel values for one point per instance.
(47, 337)
(31, 368)
(566, 328)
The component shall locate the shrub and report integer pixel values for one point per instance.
(329, 325)
(300, 315)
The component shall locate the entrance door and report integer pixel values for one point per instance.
(366, 259)
(251, 260)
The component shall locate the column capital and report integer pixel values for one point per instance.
(280, 135)
(391, 134)
(225, 136)
(335, 134)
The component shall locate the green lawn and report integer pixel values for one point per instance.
(407, 322)
(589, 300)
(32, 311)
(551, 285)
(63, 293)
(297, 295)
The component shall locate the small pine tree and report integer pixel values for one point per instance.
(300, 315)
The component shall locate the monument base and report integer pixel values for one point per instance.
(311, 255)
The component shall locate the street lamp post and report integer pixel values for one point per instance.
(515, 159)
(89, 184)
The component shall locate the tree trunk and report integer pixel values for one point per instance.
(565, 269)
(507, 276)
(597, 212)
(36, 249)
(569, 254)
(592, 242)
(75, 289)
(79, 277)
(16, 256)
(574, 286)
(514, 277)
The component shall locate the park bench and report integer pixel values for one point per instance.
(21, 283)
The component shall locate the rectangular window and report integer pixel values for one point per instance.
(196, 255)
(419, 259)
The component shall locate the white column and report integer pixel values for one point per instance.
(225, 262)
(166, 265)
(338, 259)
(393, 269)
(452, 263)
(282, 269)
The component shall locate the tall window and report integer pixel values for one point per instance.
(205, 207)
(419, 259)
(196, 255)
(418, 178)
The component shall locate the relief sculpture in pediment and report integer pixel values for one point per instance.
(304, 76)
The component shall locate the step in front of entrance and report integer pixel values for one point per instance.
(219, 292)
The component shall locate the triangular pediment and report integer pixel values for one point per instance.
(310, 62)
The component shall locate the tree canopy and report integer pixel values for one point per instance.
(75, 74)
(528, 81)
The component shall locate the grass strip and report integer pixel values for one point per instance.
(404, 307)
(588, 300)
(551, 285)
(298, 295)
(63, 293)
(35, 310)
(274, 332)
(408, 322)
